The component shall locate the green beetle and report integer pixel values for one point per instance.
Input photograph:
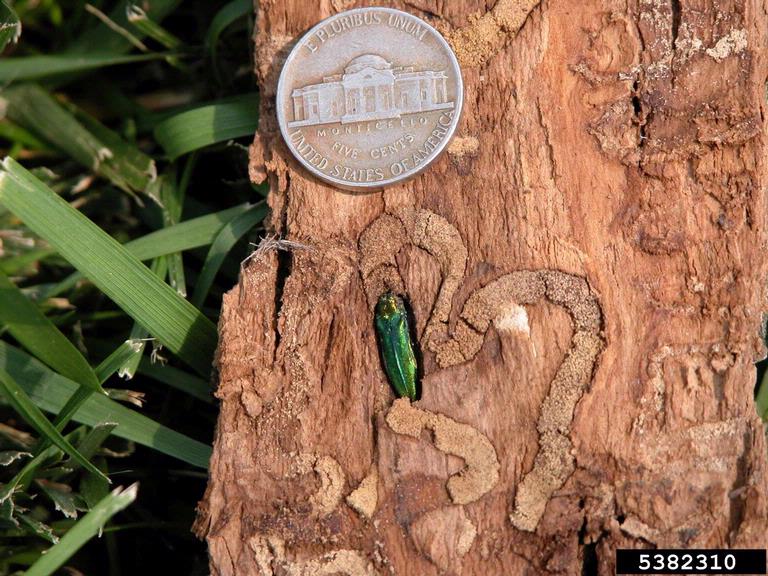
(393, 331)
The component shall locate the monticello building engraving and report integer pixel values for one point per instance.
(369, 89)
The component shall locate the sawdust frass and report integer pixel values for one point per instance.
(332, 480)
(365, 497)
(477, 42)
(270, 553)
(481, 472)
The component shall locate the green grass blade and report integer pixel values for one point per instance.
(18, 135)
(176, 276)
(69, 409)
(91, 488)
(761, 399)
(16, 264)
(42, 530)
(22, 403)
(131, 166)
(206, 125)
(83, 138)
(148, 27)
(22, 478)
(227, 15)
(139, 338)
(62, 499)
(178, 379)
(24, 68)
(88, 527)
(172, 204)
(95, 437)
(106, 39)
(8, 457)
(156, 306)
(169, 375)
(10, 25)
(50, 391)
(225, 240)
(116, 28)
(38, 335)
(139, 335)
(118, 358)
(187, 235)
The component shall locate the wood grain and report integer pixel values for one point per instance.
(622, 143)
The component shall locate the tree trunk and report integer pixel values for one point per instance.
(586, 268)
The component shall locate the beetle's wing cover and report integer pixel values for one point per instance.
(397, 351)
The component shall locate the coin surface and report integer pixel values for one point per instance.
(369, 97)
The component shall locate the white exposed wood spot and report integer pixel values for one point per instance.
(732, 43)
(513, 318)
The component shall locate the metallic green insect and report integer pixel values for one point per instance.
(393, 330)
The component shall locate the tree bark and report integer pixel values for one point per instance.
(586, 268)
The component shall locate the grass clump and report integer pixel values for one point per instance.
(125, 209)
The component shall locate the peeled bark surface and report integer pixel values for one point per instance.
(586, 266)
